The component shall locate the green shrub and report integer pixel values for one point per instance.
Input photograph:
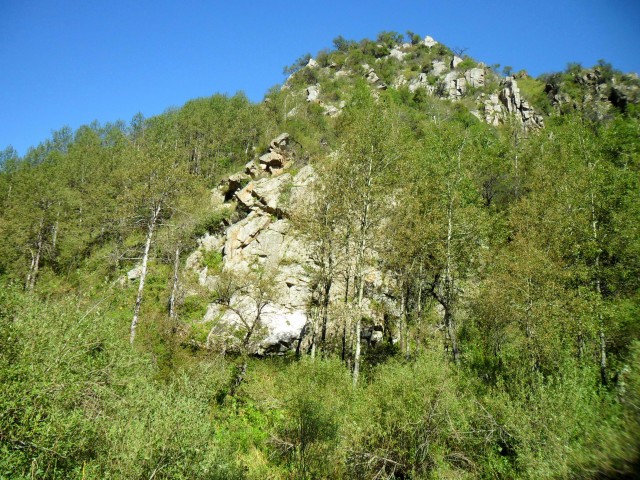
(213, 223)
(212, 259)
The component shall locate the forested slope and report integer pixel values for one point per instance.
(469, 250)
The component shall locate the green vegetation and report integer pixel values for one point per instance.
(511, 260)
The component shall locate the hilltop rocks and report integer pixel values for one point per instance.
(429, 42)
(456, 61)
(397, 54)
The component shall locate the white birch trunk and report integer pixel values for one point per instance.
(143, 273)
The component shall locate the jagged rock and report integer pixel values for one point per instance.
(312, 63)
(438, 67)
(509, 102)
(493, 110)
(475, 77)
(429, 42)
(265, 194)
(456, 61)
(275, 159)
(454, 87)
(244, 232)
(280, 142)
(229, 186)
(397, 54)
(252, 169)
(313, 92)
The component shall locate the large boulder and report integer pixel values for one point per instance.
(438, 67)
(313, 93)
(429, 42)
(475, 77)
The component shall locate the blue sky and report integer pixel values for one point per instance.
(72, 62)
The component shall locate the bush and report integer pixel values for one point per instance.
(212, 260)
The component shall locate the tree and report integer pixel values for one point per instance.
(243, 298)
(362, 174)
(160, 178)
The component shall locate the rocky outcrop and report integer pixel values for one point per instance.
(397, 54)
(454, 86)
(372, 78)
(275, 160)
(262, 238)
(508, 103)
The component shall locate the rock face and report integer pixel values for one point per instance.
(263, 238)
(275, 160)
(475, 77)
(454, 86)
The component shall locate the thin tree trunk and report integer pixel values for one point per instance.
(314, 321)
(325, 314)
(602, 338)
(238, 379)
(364, 227)
(143, 273)
(35, 259)
(174, 287)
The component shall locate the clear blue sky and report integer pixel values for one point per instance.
(70, 62)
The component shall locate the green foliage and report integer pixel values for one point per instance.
(297, 65)
(213, 260)
(213, 223)
(534, 91)
(509, 299)
(466, 64)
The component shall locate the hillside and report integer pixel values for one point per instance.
(401, 264)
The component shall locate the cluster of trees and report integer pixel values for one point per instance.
(512, 259)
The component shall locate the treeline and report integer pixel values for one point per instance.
(97, 187)
(513, 258)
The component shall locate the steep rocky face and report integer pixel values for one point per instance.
(262, 239)
(263, 248)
